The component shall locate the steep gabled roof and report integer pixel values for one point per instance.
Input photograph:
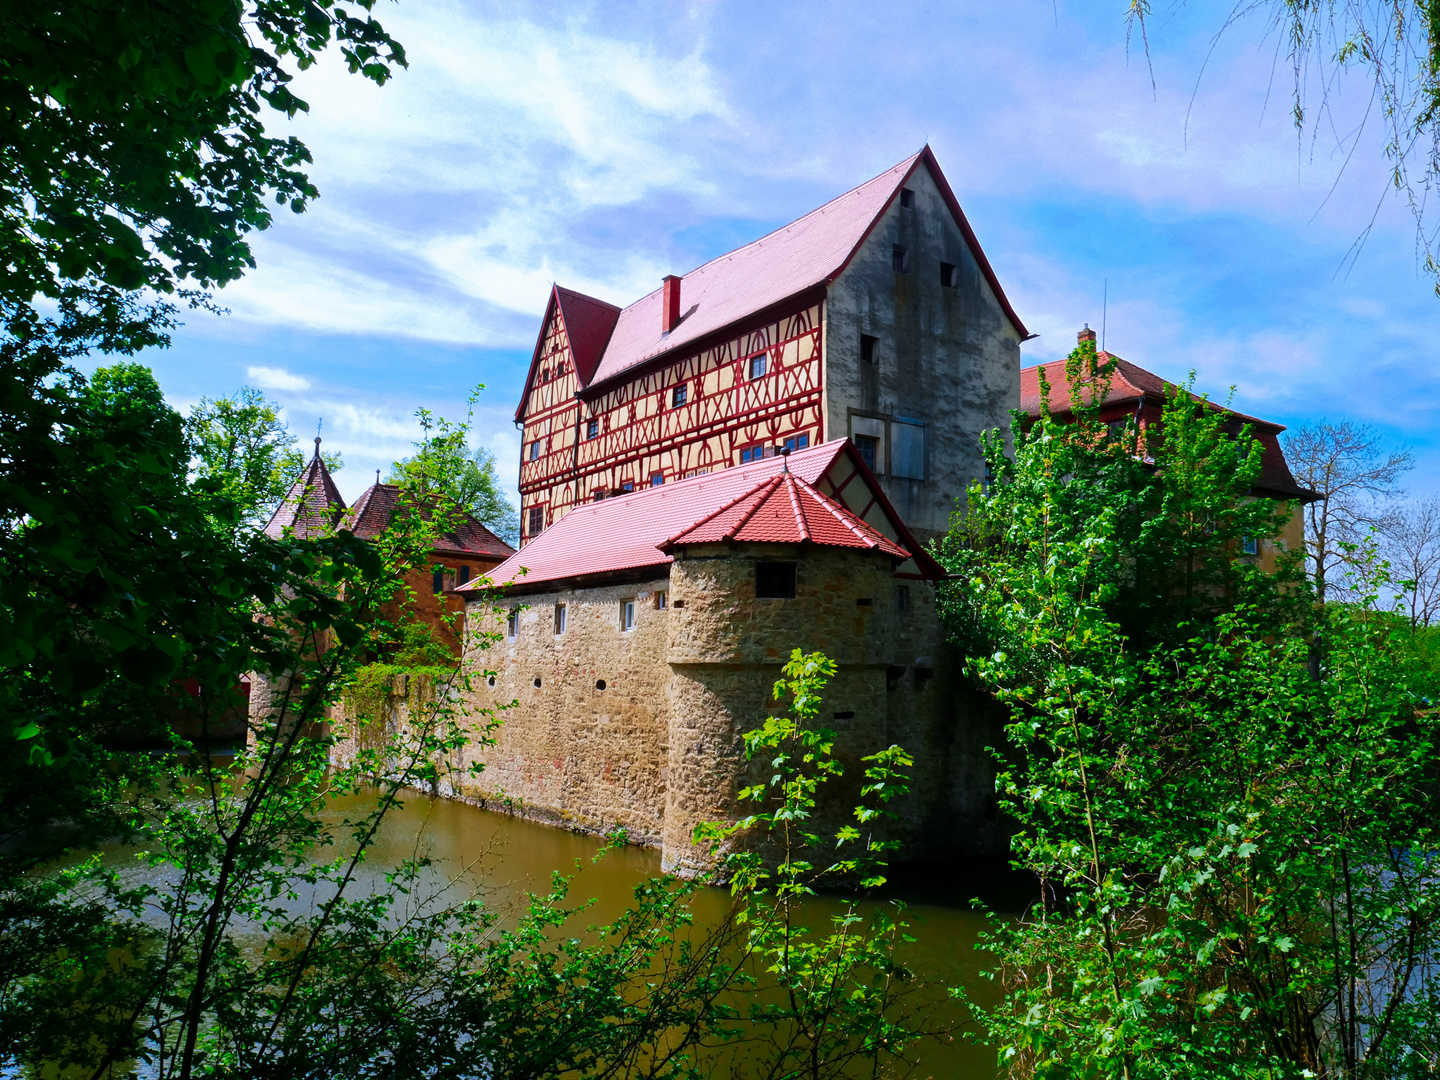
(627, 533)
(312, 505)
(804, 256)
(372, 512)
(1132, 385)
(785, 510)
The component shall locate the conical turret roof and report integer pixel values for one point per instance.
(312, 505)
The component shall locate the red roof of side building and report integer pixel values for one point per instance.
(312, 505)
(372, 512)
(807, 254)
(1131, 384)
(628, 533)
(785, 510)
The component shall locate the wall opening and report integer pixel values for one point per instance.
(775, 580)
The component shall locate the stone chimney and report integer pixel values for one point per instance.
(1086, 335)
(670, 304)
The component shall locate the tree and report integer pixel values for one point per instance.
(1239, 864)
(1348, 467)
(444, 462)
(241, 442)
(1410, 540)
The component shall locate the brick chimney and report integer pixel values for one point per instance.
(1086, 335)
(670, 308)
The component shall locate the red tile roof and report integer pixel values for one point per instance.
(376, 506)
(628, 532)
(588, 326)
(312, 505)
(785, 510)
(1132, 385)
(806, 254)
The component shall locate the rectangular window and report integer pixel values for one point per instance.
(899, 259)
(592, 429)
(752, 453)
(677, 397)
(462, 575)
(660, 599)
(757, 366)
(902, 598)
(949, 276)
(775, 580)
(656, 479)
(1249, 545)
(535, 450)
(559, 618)
(627, 615)
(512, 623)
(437, 584)
(628, 485)
(598, 496)
(867, 445)
(537, 520)
(907, 198)
(797, 442)
(867, 348)
(907, 450)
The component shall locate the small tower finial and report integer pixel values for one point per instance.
(377, 476)
(317, 445)
(785, 459)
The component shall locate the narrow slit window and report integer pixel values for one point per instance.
(627, 615)
(437, 584)
(949, 275)
(902, 598)
(775, 580)
(560, 618)
(512, 624)
(867, 348)
(900, 259)
(660, 600)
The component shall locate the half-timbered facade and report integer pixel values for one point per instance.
(875, 317)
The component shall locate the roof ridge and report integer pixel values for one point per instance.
(843, 514)
(795, 506)
(760, 496)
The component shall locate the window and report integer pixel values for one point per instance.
(907, 450)
(752, 453)
(462, 575)
(656, 479)
(627, 615)
(1114, 429)
(907, 198)
(867, 348)
(559, 618)
(775, 580)
(1249, 545)
(949, 276)
(512, 623)
(902, 597)
(899, 259)
(677, 397)
(537, 520)
(544, 375)
(628, 485)
(438, 583)
(797, 442)
(757, 366)
(535, 450)
(592, 429)
(868, 445)
(660, 600)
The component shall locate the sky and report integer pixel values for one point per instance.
(1166, 197)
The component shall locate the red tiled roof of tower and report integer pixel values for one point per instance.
(627, 532)
(374, 508)
(1132, 384)
(806, 254)
(312, 505)
(785, 510)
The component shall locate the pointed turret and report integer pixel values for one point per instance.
(312, 504)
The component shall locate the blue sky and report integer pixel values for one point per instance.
(607, 145)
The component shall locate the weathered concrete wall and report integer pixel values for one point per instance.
(660, 749)
(947, 358)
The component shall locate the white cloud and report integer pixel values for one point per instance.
(271, 378)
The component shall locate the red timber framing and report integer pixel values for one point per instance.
(641, 434)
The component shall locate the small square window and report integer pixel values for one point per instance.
(949, 276)
(867, 348)
(512, 623)
(775, 580)
(868, 445)
(628, 485)
(899, 259)
(660, 600)
(902, 598)
(677, 397)
(559, 618)
(592, 429)
(537, 521)
(535, 450)
(656, 479)
(627, 615)
(907, 198)
(757, 366)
